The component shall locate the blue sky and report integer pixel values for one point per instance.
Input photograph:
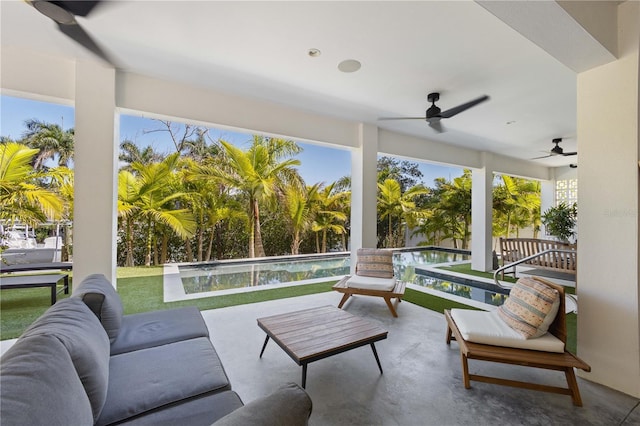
(318, 163)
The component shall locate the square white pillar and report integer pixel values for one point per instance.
(482, 217)
(364, 187)
(95, 174)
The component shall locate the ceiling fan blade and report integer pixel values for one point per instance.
(456, 110)
(79, 8)
(77, 33)
(401, 118)
(566, 154)
(544, 156)
(436, 125)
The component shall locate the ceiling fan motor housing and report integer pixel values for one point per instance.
(433, 111)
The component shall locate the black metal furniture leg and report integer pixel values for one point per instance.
(53, 294)
(375, 354)
(304, 375)
(264, 346)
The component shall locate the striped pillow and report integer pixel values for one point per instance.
(375, 263)
(531, 307)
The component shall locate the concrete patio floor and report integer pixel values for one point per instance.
(421, 384)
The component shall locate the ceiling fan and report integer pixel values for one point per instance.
(433, 115)
(64, 14)
(556, 150)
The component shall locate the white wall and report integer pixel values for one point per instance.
(608, 109)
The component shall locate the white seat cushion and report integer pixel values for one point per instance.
(487, 328)
(371, 283)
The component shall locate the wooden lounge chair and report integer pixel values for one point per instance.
(374, 277)
(559, 361)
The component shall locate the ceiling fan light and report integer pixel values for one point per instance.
(55, 12)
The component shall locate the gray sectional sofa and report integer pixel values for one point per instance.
(84, 363)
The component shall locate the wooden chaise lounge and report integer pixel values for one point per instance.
(387, 295)
(374, 277)
(559, 361)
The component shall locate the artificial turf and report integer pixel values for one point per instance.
(141, 290)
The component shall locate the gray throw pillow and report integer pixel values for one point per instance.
(101, 297)
(289, 405)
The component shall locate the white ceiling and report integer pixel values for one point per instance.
(407, 50)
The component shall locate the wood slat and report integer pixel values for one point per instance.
(514, 249)
(318, 332)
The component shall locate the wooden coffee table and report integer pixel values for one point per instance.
(317, 333)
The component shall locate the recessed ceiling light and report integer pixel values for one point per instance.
(314, 53)
(349, 65)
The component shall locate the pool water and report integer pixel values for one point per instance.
(462, 290)
(200, 278)
(206, 278)
(245, 274)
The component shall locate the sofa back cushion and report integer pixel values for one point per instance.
(73, 324)
(40, 385)
(101, 297)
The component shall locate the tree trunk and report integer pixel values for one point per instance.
(147, 259)
(129, 236)
(210, 245)
(295, 243)
(163, 249)
(259, 248)
(187, 250)
(200, 243)
(324, 241)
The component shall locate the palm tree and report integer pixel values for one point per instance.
(51, 141)
(299, 205)
(516, 204)
(398, 206)
(150, 194)
(259, 173)
(131, 153)
(22, 196)
(330, 215)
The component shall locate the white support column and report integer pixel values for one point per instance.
(364, 188)
(95, 181)
(482, 216)
(547, 199)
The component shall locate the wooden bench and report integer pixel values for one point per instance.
(396, 293)
(559, 264)
(565, 362)
(31, 281)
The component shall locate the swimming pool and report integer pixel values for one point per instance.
(240, 274)
(189, 281)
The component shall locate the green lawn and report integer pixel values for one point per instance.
(141, 290)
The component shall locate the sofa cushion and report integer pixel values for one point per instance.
(98, 293)
(151, 378)
(371, 283)
(149, 329)
(78, 329)
(375, 263)
(530, 308)
(289, 405)
(40, 385)
(203, 410)
(487, 328)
